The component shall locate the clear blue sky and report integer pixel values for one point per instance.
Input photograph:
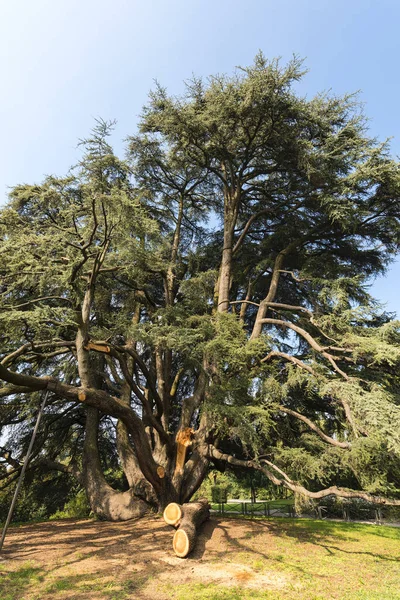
(63, 62)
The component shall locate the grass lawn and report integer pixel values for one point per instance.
(235, 559)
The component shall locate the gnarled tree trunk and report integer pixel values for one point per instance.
(104, 501)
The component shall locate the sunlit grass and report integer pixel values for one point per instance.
(13, 584)
(322, 561)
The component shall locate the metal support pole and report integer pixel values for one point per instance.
(24, 466)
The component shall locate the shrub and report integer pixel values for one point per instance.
(77, 507)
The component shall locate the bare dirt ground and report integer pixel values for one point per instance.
(78, 555)
(134, 554)
(94, 560)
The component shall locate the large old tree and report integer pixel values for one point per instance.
(206, 300)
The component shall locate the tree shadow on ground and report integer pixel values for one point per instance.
(91, 537)
(204, 537)
(325, 534)
(82, 556)
(238, 545)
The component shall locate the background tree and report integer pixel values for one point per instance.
(206, 299)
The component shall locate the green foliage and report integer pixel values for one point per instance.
(76, 507)
(238, 485)
(374, 406)
(38, 498)
(219, 493)
(112, 274)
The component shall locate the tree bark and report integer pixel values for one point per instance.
(129, 463)
(104, 501)
(273, 288)
(231, 207)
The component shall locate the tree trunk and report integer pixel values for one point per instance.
(140, 486)
(231, 207)
(104, 501)
(188, 518)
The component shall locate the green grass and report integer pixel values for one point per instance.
(82, 584)
(321, 560)
(13, 584)
(31, 582)
(204, 591)
(211, 592)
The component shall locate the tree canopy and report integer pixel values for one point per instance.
(205, 299)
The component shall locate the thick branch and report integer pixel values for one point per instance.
(314, 427)
(145, 403)
(54, 465)
(14, 389)
(247, 227)
(296, 487)
(273, 288)
(313, 343)
(289, 307)
(102, 401)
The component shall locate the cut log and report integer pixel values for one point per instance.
(173, 514)
(161, 472)
(194, 514)
(184, 540)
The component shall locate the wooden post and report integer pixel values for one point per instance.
(22, 475)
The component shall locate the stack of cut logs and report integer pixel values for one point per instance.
(186, 518)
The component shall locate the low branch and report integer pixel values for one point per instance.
(54, 465)
(31, 347)
(296, 487)
(298, 279)
(290, 307)
(15, 354)
(14, 389)
(29, 302)
(99, 399)
(244, 302)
